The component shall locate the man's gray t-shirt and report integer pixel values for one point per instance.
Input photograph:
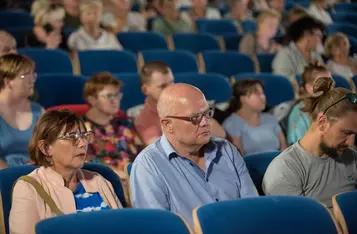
(299, 173)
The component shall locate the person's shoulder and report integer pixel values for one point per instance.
(267, 117)
(151, 153)
(289, 155)
(232, 118)
(35, 107)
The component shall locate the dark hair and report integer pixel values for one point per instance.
(324, 96)
(308, 76)
(151, 67)
(242, 88)
(47, 130)
(306, 24)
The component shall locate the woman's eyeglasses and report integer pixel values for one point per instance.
(77, 136)
(351, 97)
(26, 76)
(196, 118)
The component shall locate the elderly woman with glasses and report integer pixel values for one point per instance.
(18, 115)
(115, 142)
(58, 145)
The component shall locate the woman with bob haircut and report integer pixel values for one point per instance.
(59, 146)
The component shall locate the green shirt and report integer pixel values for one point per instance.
(163, 26)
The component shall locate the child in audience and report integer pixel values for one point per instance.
(262, 40)
(120, 19)
(48, 30)
(7, 43)
(90, 36)
(58, 145)
(115, 142)
(299, 121)
(251, 130)
(337, 47)
(18, 115)
(172, 21)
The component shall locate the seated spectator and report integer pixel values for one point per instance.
(318, 10)
(90, 36)
(200, 10)
(115, 142)
(337, 47)
(7, 43)
(18, 115)
(186, 167)
(251, 130)
(262, 41)
(154, 77)
(239, 13)
(172, 21)
(59, 145)
(71, 18)
(48, 30)
(299, 121)
(120, 19)
(320, 165)
(304, 36)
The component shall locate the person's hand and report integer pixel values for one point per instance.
(53, 40)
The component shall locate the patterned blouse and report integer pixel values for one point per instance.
(115, 144)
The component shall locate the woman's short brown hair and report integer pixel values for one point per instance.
(11, 65)
(47, 130)
(326, 95)
(97, 82)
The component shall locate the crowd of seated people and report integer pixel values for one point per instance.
(185, 153)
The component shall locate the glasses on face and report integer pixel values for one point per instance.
(75, 137)
(351, 97)
(29, 75)
(113, 96)
(196, 118)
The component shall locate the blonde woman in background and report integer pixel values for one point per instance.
(262, 41)
(337, 48)
(48, 28)
(90, 36)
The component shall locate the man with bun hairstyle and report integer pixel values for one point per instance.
(321, 164)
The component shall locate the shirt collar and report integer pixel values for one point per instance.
(211, 149)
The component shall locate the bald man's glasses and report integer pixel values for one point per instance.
(196, 118)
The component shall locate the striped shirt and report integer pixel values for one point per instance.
(87, 202)
(290, 62)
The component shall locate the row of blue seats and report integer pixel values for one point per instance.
(92, 61)
(215, 87)
(274, 214)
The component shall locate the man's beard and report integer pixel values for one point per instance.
(330, 151)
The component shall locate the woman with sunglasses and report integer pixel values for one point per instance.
(18, 115)
(115, 142)
(59, 146)
(251, 130)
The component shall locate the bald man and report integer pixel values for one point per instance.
(186, 167)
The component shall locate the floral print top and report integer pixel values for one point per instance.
(115, 144)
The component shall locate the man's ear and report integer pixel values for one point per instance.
(91, 100)
(322, 122)
(7, 82)
(166, 125)
(45, 148)
(144, 89)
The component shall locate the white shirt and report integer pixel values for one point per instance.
(340, 69)
(136, 22)
(81, 40)
(320, 14)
